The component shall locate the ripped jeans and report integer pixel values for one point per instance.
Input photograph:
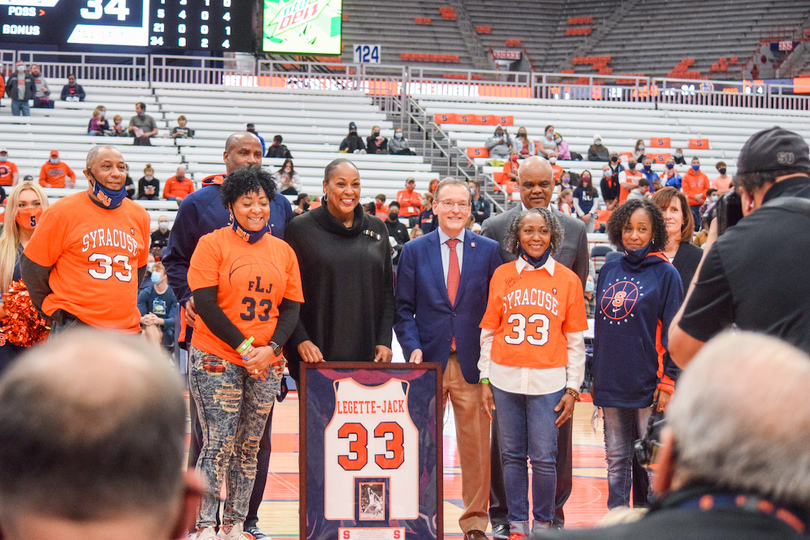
(233, 409)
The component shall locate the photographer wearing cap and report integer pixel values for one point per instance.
(741, 278)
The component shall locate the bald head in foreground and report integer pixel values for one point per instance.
(734, 461)
(92, 442)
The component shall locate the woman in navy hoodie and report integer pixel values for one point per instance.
(638, 295)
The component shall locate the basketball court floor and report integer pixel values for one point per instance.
(278, 514)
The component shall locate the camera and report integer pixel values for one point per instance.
(727, 210)
(646, 448)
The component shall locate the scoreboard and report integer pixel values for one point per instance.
(197, 25)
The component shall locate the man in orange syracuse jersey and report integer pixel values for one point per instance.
(88, 254)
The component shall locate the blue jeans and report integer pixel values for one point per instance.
(232, 408)
(622, 427)
(696, 216)
(526, 428)
(20, 106)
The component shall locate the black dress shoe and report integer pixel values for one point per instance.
(475, 534)
(500, 532)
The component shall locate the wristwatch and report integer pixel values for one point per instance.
(276, 348)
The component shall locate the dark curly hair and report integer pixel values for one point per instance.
(247, 180)
(622, 214)
(513, 235)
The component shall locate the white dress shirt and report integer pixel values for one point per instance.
(443, 238)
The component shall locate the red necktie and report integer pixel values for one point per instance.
(453, 278)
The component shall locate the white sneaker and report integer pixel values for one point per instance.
(237, 532)
(206, 534)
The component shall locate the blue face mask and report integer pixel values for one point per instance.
(536, 262)
(670, 165)
(398, 135)
(156, 277)
(109, 198)
(251, 237)
(647, 168)
(695, 167)
(635, 256)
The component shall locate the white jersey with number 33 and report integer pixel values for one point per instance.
(371, 435)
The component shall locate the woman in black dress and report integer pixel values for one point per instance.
(345, 260)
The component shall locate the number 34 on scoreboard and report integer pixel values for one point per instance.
(371, 436)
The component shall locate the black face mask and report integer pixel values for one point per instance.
(393, 216)
(631, 165)
(722, 170)
(375, 134)
(306, 206)
(614, 159)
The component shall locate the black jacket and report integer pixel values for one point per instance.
(11, 87)
(348, 285)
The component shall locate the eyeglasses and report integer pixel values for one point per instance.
(449, 205)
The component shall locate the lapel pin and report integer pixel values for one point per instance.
(472, 244)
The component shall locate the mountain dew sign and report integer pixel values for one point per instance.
(302, 26)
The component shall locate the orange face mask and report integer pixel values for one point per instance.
(27, 218)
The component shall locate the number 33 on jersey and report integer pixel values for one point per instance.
(530, 312)
(371, 435)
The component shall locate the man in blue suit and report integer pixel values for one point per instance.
(442, 289)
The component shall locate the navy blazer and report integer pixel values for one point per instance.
(425, 318)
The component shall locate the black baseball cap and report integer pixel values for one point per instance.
(774, 149)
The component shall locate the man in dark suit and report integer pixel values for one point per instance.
(441, 297)
(536, 184)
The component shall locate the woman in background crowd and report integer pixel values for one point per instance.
(549, 143)
(585, 196)
(289, 181)
(525, 147)
(148, 185)
(376, 144)
(562, 147)
(681, 252)
(638, 151)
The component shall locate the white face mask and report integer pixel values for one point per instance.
(20, 69)
(164, 226)
(714, 198)
(148, 176)
(3, 159)
(552, 160)
(149, 266)
(54, 160)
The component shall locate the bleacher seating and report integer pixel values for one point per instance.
(312, 123)
(644, 37)
(396, 29)
(705, 132)
(655, 35)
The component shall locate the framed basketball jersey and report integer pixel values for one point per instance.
(370, 453)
